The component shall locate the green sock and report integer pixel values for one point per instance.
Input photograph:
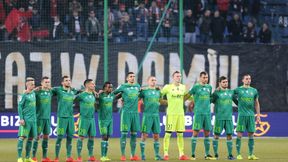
(68, 146)
(106, 148)
(35, 147)
(193, 145)
(58, 146)
(166, 143)
(207, 145)
(103, 147)
(229, 146)
(44, 147)
(251, 145)
(123, 142)
(28, 148)
(20, 147)
(90, 146)
(142, 148)
(79, 147)
(215, 146)
(238, 145)
(133, 137)
(156, 148)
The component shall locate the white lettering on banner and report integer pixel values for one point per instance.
(126, 62)
(14, 80)
(45, 58)
(197, 65)
(212, 58)
(126, 58)
(9, 121)
(79, 68)
(158, 60)
(53, 121)
(4, 121)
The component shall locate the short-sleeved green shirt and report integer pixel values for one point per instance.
(65, 101)
(87, 104)
(202, 97)
(43, 104)
(130, 94)
(246, 100)
(222, 100)
(106, 106)
(151, 99)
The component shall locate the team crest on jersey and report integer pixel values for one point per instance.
(247, 91)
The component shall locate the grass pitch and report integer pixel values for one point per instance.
(267, 149)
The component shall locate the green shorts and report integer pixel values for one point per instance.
(87, 127)
(227, 125)
(150, 123)
(28, 130)
(130, 122)
(106, 127)
(246, 123)
(65, 126)
(202, 121)
(43, 126)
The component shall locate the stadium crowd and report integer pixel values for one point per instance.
(205, 21)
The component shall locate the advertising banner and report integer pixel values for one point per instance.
(271, 125)
(267, 65)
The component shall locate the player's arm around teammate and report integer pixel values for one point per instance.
(65, 120)
(87, 126)
(105, 117)
(27, 115)
(201, 92)
(43, 112)
(129, 114)
(151, 121)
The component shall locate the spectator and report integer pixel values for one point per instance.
(53, 8)
(35, 20)
(223, 6)
(235, 28)
(236, 6)
(92, 26)
(265, 34)
(125, 30)
(217, 28)
(249, 33)
(154, 17)
(75, 6)
(75, 26)
(57, 30)
(142, 21)
(111, 21)
(205, 27)
(190, 28)
(167, 28)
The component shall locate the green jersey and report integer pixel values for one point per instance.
(130, 93)
(105, 106)
(87, 104)
(246, 100)
(43, 103)
(65, 101)
(202, 96)
(175, 98)
(223, 104)
(151, 99)
(27, 107)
